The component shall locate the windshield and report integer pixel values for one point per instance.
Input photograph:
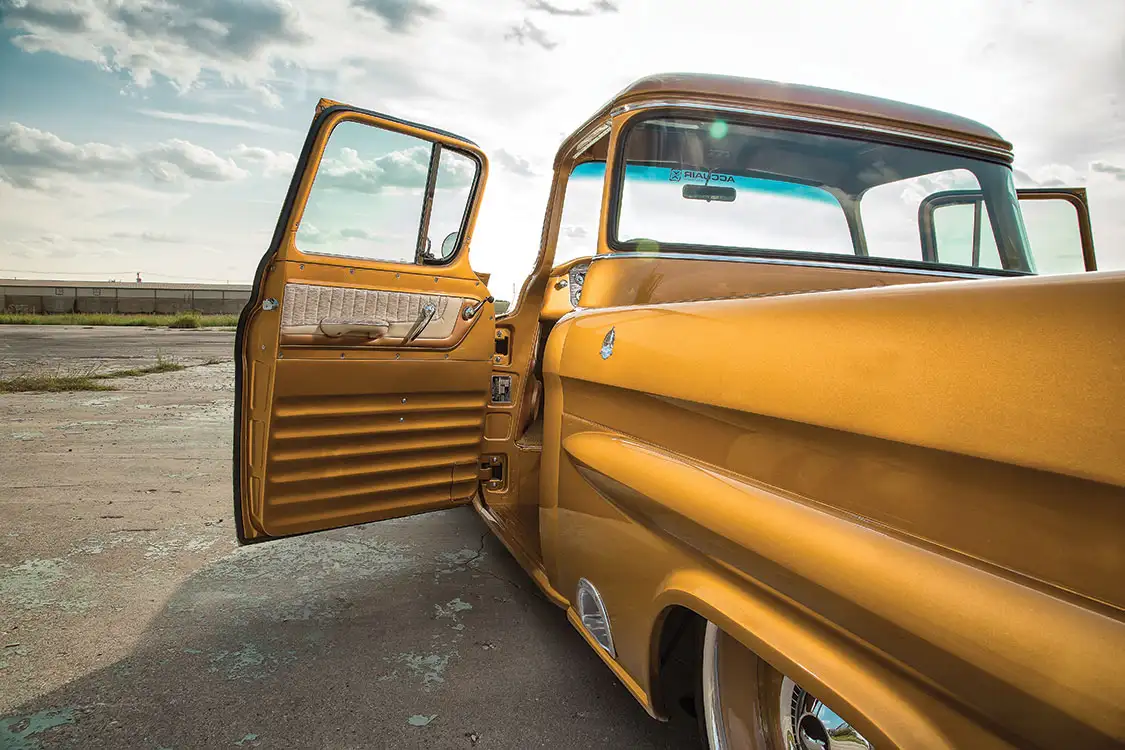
(705, 185)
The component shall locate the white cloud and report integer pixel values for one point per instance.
(356, 234)
(174, 160)
(399, 15)
(1049, 175)
(310, 233)
(269, 163)
(24, 149)
(512, 163)
(31, 156)
(147, 236)
(554, 9)
(178, 39)
(526, 31)
(208, 118)
(407, 168)
(1116, 171)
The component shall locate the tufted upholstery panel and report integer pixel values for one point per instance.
(306, 305)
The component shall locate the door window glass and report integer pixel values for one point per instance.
(454, 185)
(1053, 233)
(581, 214)
(963, 235)
(890, 218)
(366, 200)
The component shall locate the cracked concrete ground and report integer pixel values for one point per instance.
(129, 617)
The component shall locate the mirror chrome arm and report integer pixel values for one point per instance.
(471, 311)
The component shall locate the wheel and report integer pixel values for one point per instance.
(749, 705)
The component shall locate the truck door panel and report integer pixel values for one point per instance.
(365, 356)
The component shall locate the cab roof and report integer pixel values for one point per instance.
(797, 100)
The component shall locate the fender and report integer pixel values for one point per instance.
(889, 709)
(898, 610)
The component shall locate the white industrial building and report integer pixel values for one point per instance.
(58, 296)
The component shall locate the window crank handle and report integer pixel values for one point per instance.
(470, 312)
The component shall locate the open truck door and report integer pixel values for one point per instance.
(364, 353)
(954, 226)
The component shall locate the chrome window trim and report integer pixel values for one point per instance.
(992, 151)
(800, 262)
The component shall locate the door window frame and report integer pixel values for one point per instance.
(309, 167)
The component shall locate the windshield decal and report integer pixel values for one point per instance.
(676, 175)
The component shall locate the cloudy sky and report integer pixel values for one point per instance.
(159, 135)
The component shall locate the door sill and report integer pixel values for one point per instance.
(530, 566)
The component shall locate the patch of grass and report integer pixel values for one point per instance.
(114, 319)
(162, 364)
(91, 380)
(52, 384)
(187, 320)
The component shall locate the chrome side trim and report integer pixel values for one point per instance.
(712, 703)
(994, 151)
(591, 620)
(795, 262)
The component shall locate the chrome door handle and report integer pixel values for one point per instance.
(424, 317)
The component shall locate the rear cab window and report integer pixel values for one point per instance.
(705, 185)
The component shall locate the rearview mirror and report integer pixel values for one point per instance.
(709, 193)
(955, 229)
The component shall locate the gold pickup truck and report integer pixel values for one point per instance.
(819, 428)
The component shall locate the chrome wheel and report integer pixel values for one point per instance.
(748, 705)
(810, 725)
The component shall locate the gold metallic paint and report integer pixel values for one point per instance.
(920, 475)
(630, 279)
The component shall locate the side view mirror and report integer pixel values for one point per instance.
(954, 228)
(449, 244)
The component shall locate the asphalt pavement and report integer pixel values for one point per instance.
(80, 348)
(129, 618)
